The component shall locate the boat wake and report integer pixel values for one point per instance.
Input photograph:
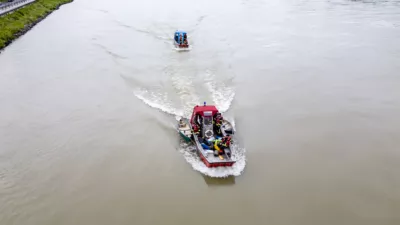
(222, 98)
(158, 101)
(181, 89)
(222, 94)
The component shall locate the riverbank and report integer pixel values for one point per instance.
(17, 23)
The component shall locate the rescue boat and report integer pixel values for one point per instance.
(207, 142)
(180, 40)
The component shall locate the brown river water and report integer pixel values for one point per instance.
(89, 100)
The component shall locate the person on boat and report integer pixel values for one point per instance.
(180, 40)
(226, 141)
(181, 123)
(185, 39)
(218, 147)
(218, 116)
(217, 125)
(196, 129)
(177, 37)
(197, 120)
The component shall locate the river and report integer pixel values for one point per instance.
(90, 97)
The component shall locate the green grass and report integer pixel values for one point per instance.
(12, 24)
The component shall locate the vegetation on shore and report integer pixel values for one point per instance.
(16, 23)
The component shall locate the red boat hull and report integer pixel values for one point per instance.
(201, 110)
(218, 164)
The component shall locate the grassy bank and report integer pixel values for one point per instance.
(15, 24)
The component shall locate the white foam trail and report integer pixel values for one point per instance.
(221, 94)
(222, 97)
(157, 101)
(238, 154)
(185, 87)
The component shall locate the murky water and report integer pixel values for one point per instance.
(89, 100)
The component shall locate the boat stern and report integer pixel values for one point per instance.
(210, 160)
(221, 163)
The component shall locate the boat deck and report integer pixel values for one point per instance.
(185, 130)
(209, 154)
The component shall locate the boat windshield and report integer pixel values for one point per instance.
(207, 120)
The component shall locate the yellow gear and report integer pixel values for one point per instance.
(216, 147)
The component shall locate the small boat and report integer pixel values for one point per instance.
(185, 130)
(180, 40)
(208, 143)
